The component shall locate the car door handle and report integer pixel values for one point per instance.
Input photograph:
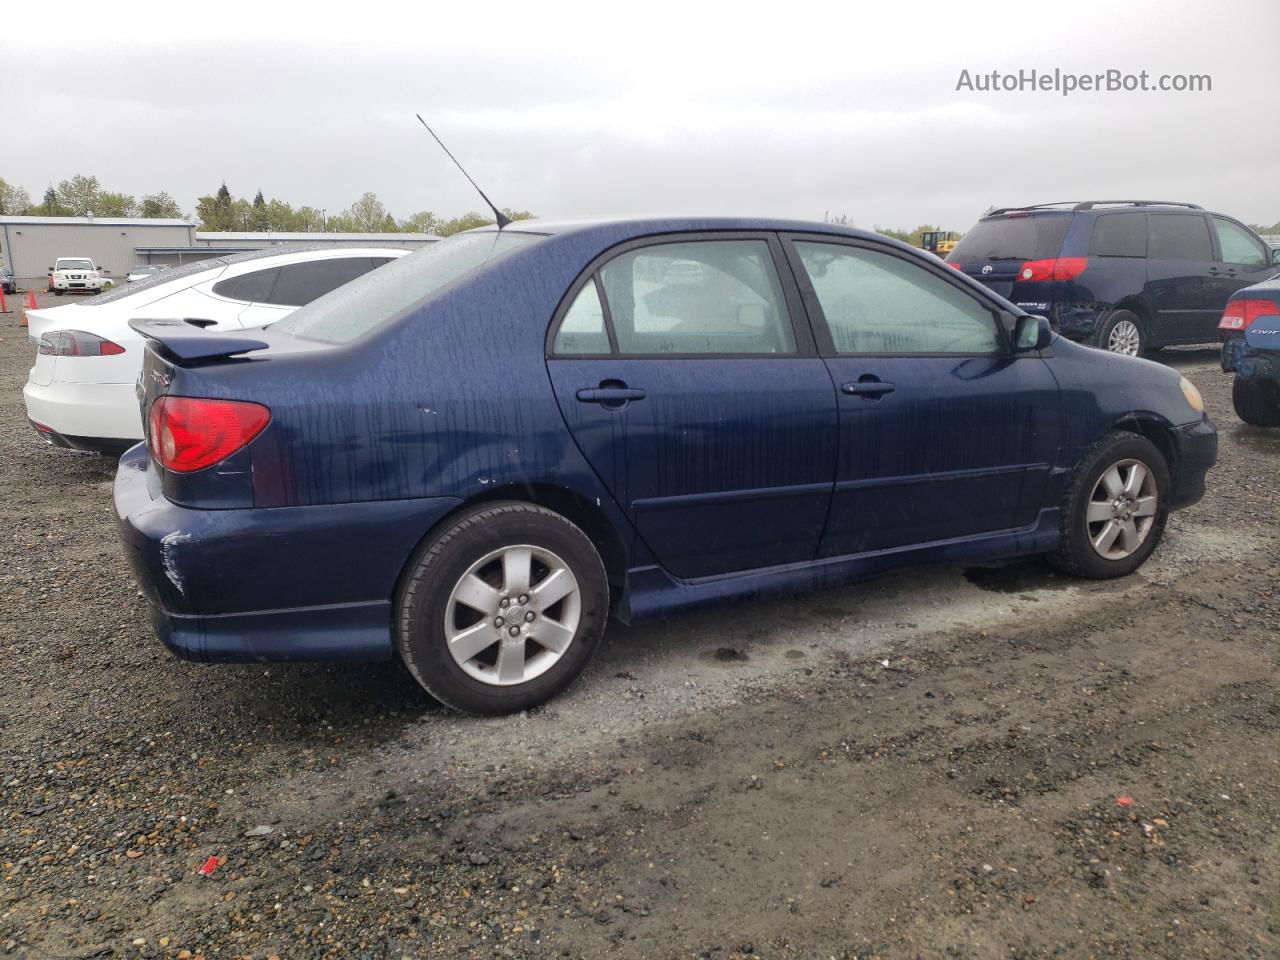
(868, 388)
(610, 395)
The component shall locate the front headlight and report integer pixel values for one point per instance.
(1194, 400)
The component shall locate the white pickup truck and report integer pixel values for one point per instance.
(77, 273)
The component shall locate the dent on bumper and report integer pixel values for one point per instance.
(284, 583)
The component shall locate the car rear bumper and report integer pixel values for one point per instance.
(284, 583)
(1196, 453)
(103, 412)
(1248, 362)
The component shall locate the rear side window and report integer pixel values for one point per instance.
(1239, 245)
(1014, 238)
(1175, 236)
(582, 331)
(877, 303)
(300, 283)
(700, 297)
(252, 287)
(1119, 235)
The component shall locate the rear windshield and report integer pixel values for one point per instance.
(1013, 238)
(357, 307)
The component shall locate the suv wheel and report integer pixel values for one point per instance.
(1256, 402)
(503, 609)
(1121, 332)
(1114, 511)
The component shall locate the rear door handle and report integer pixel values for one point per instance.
(868, 388)
(610, 395)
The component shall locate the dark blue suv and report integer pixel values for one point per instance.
(1129, 276)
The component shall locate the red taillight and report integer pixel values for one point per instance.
(1060, 268)
(954, 265)
(191, 433)
(77, 343)
(1239, 314)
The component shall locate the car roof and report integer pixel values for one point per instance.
(635, 227)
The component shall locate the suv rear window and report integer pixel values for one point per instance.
(1014, 238)
(366, 302)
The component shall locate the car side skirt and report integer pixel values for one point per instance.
(651, 591)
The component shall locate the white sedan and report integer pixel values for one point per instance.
(80, 393)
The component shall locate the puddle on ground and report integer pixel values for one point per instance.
(1017, 577)
(727, 654)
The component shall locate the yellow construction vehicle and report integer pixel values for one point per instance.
(940, 242)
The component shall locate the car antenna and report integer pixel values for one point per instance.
(501, 217)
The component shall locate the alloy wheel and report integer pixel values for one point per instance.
(1122, 509)
(512, 615)
(1125, 338)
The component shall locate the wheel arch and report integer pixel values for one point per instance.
(578, 509)
(1158, 431)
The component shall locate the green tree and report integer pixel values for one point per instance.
(259, 220)
(50, 207)
(468, 221)
(310, 220)
(214, 212)
(79, 194)
(367, 214)
(14, 200)
(159, 205)
(107, 204)
(424, 221)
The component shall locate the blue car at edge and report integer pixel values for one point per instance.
(1250, 327)
(473, 457)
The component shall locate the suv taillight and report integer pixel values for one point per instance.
(1239, 314)
(191, 433)
(1059, 268)
(77, 343)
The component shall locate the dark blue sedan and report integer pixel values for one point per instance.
(1250, 328)
(471, 458)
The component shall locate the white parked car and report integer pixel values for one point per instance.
(77, 273)
(80, 393)
(144, 270)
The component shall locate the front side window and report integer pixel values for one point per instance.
(1238, 245)
(877, 303)
(699, 297)
(1119, 235)
(1178, 236)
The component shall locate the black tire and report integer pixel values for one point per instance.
(1103, 335)
(1256, 402)
(441, 562)
(58, 293)
(1076, 554)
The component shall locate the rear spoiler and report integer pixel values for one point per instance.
(186, 342)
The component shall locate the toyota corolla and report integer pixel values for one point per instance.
(471, 458)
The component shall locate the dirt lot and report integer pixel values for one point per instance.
(943, 763)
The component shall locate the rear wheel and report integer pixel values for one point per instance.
(1121, 331)
(1115, 509)
(1256, 402)
(503, 609)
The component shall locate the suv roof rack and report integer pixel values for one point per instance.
(1090, 204)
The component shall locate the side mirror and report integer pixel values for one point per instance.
(1032, 332)
(1275, 254)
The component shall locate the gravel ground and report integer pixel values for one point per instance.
(992, 762)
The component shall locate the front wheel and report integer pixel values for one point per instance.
(1115, 509)
(1256, 402)
(503, 609)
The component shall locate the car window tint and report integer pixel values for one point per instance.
(1018, 237)
(582, 329)
(300, 283)
(252, 287)
(1119, 235)
(703, 297)
(1174, 236)
(1238, 245)
(878, 303)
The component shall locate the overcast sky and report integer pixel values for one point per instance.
(646, 107)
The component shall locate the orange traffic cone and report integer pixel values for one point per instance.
(4, 305)
(31, 305)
